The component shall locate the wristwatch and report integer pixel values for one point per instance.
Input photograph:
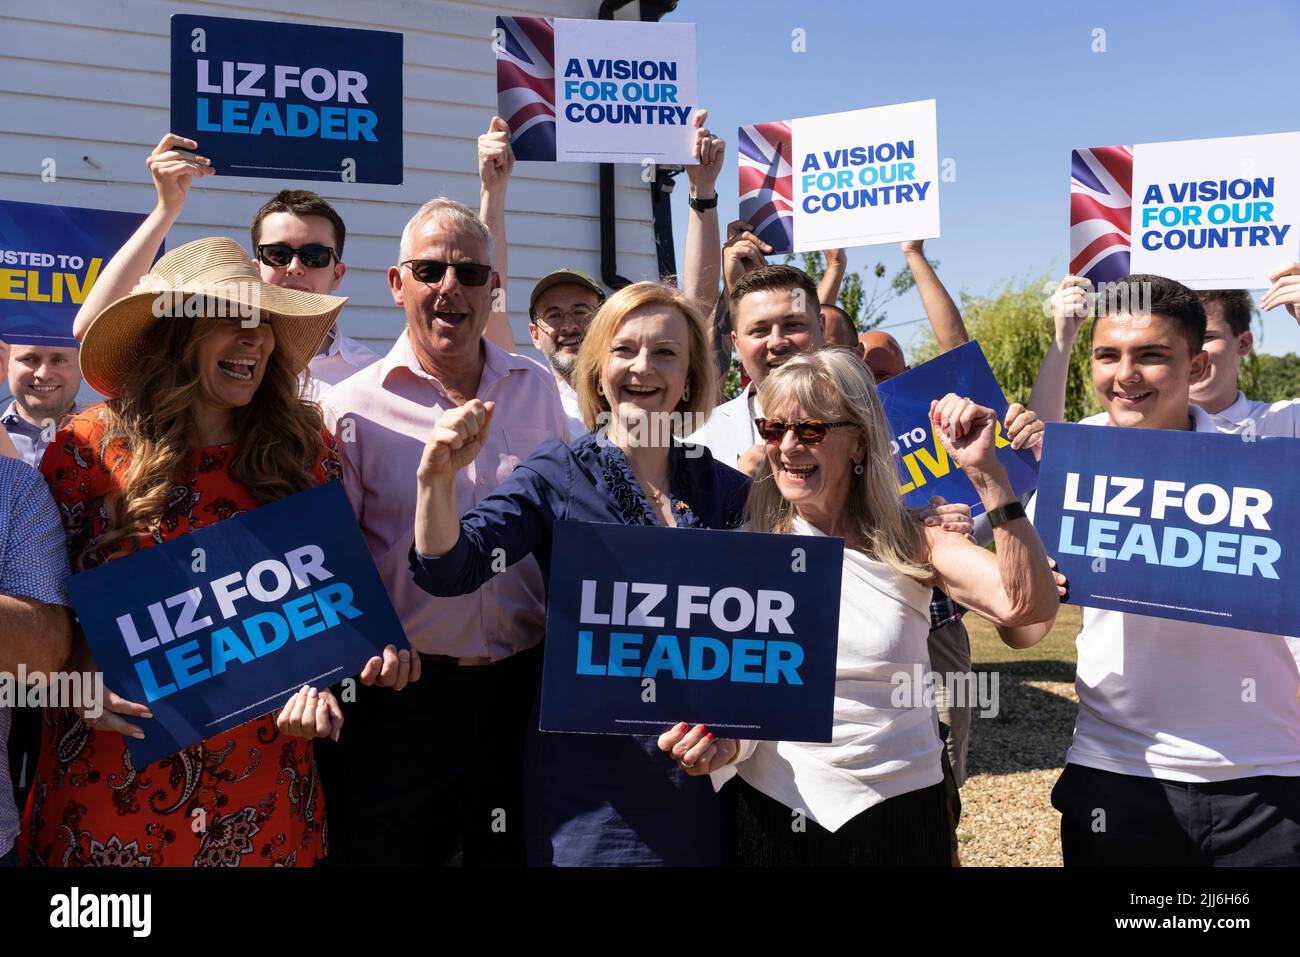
(702, 204)
(1006, 513)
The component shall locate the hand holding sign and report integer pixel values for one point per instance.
(396, 669)
(742, 253)
(695, 750)
(1071, 304)
(174, 168)
(1024, 429)
(1285, 291)
(496, 160)
(709, 152)
(107, 719)
(311, 714)
(456, 440)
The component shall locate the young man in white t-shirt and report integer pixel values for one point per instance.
(1186, 750)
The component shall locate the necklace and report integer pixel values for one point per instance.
(655, 494)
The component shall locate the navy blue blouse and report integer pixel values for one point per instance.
(596, 799)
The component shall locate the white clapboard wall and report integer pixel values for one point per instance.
(86, 83)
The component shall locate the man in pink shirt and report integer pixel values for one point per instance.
(433, 775)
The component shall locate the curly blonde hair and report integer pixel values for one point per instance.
(151, 423)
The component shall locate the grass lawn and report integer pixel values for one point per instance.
(1053, 657)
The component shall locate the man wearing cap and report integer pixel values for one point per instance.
(561, 307)
(435, 774)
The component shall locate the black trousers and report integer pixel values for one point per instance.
(910, 830)
(1121, 820)
(24, 747)
(432, 775)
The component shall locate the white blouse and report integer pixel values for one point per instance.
(877, 749)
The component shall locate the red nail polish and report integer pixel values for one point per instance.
(703, 728)
(710, 735)
(684, 727)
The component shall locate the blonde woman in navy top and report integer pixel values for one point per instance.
(646, 361)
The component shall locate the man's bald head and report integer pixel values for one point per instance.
(838, 327)
(883, 355)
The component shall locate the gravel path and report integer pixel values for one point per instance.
(1015, 758)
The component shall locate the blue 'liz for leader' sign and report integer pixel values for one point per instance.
(50, 257)
(1188, 525)
(280, 597)
(289, 101)
(924, 466)
(648, 626)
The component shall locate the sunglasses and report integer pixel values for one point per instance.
(278, 255)
(807, 431)
(432, 271)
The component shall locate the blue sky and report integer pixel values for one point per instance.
(1018, 87)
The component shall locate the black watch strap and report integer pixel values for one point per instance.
(1006, 513)
(703, 204)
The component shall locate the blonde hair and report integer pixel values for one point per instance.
(443, 208)
(701, 376)
(150, 427)
(834, 384)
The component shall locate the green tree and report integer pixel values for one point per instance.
(1014, 329)
(1271, 378)
(866, 307)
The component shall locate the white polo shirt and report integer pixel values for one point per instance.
(1268, 418)
(1181, 701)
(730, 431)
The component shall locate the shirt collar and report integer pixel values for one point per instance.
(1238, 412)
(1201, 421)
(497, 363)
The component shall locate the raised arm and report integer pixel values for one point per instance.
(828, 290)
(455, 554)
(173, 169)
(1070, 304)
(702, 264)
(1014, 587)
(496, 161)
(945, 319)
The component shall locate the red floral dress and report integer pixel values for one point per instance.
(248, 797)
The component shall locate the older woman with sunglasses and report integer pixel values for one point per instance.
(873, 794)
(646, 362)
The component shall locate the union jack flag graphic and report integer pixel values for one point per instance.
(526, 84)
(1101, 210)
(767, 183)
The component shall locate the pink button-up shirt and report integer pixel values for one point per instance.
(381, 418)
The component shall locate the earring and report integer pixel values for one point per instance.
(686, 394)
(600, 389)
(857, 468)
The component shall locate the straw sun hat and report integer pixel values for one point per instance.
(208, 277)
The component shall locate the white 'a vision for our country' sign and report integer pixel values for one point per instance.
(1218, 213)
(866, 176)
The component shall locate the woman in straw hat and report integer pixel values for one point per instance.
(203, 421)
